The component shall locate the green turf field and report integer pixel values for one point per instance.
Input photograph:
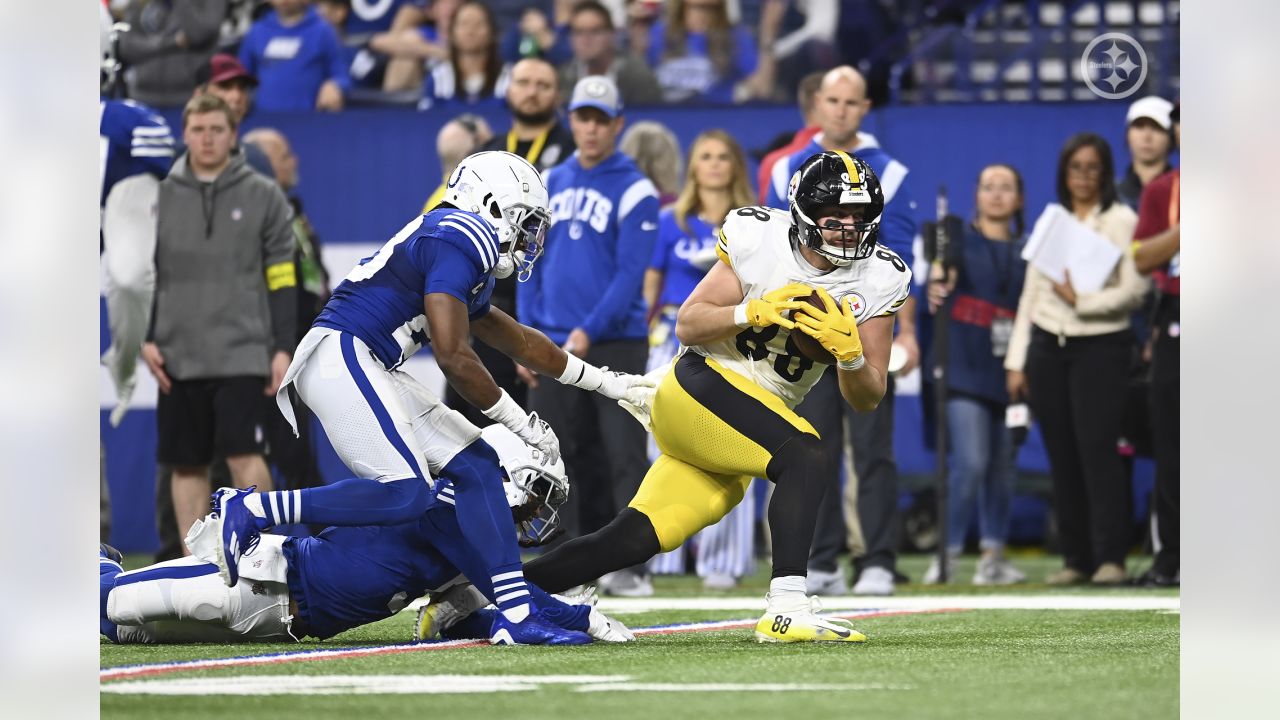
(1005, 663)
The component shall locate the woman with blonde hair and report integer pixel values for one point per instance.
(716, 182)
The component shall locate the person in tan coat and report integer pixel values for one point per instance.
(1069, 359)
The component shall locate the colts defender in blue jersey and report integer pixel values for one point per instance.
(135, 153)
(346, 577)
(429, 283)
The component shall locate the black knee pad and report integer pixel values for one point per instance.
(802, 456)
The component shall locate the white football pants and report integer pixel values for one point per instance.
(182, 601)
(384, 424)
(129, 239)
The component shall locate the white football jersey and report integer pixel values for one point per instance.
(755, 242)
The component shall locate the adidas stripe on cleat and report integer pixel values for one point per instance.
(236, 529)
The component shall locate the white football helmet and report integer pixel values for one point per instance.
(508, 192)
(535, 489)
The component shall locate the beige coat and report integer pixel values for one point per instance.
(1097, 313)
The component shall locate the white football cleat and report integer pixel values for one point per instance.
(796, 620)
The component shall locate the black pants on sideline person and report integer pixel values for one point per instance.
(603, 446)
(1165, 406)
(825, 409)
(871, 435)
(1077, 387)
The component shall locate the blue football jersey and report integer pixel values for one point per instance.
(445, 251)
(349, 576)
(132, 139)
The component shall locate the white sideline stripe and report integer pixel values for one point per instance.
(909, 602)
(354, 684)
(623, 606)
(449, 685)
(739, 687)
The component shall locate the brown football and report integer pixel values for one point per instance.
(809, 347)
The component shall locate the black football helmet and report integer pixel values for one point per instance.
(836, 178)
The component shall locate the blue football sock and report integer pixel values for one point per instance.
(485, 519)
(355, 501)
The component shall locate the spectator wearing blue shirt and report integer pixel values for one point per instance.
(472, 73)
(984, 287)
(698, 54)
(840, 105)
(297, 59)
(716, 182)
(587, 297)
(415, 37)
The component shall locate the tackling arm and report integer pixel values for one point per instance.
(534, 350)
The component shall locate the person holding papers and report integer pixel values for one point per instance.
(1069, 355)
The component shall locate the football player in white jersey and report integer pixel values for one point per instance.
(724, 413)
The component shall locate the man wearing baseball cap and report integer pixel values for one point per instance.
(225, 77)
(1149, 137)
(586, 297)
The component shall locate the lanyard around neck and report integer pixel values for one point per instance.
(535, 150)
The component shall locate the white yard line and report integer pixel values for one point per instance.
(623, 606)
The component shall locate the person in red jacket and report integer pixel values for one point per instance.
(1156, 252)
(805, 94)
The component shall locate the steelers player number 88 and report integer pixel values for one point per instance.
(753, 344)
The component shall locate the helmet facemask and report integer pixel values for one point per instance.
(535, 494)
(856, 241)
(521, 240)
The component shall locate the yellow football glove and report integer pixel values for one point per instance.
(835, 328)
(767, 310)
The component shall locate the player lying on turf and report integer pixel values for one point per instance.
(725, 412)
(347, 576)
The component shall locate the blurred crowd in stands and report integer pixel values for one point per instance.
(330, 54)
(1098, 370)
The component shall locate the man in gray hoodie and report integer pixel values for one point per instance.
(224, 321)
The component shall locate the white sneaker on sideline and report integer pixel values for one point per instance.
(625, 583)
(933, 575)
(997, 571)
(874, 581)
(821, 582)
(719, 581)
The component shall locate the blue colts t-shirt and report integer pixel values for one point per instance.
(380, 301)
(292, 62)
(673, 251)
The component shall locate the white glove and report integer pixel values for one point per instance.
(633, 389)
(527, 426)
(613, 385)
(537, 433)
(599, 625)
(639, 400)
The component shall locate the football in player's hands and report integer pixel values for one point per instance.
(810, 348)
